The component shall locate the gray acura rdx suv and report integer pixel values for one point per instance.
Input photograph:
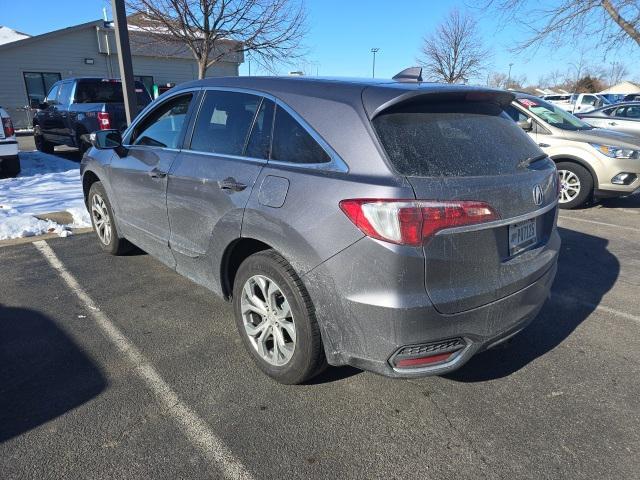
(395, 225)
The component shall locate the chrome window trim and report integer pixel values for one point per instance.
(499, 223)
(225, 156)
(336, 164)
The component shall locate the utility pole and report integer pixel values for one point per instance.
(124, 59)
(374, 51)
(509, 76)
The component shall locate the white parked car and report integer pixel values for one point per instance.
(578, 102)
(9, 161)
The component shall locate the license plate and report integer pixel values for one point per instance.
(522, 235)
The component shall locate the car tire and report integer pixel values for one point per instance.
(103, 221)
(289, 359)
(576, 185)
(41, 144)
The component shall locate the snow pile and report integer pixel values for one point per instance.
(8, 35)
(46, 184)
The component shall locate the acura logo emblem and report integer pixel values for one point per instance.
(537, 195)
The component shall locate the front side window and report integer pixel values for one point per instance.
(163, 126)
(224, 122)
(292, 143)
(553, 115)
(515, 114)
(52, 96)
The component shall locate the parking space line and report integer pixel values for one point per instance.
(194, 428)
(595, 222)
(598, 307)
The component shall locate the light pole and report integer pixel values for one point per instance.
(509, 76)
(374, 51)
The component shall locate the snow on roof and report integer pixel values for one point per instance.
(8, 35)
(623, 87)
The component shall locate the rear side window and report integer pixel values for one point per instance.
(224, 122)
(292, 143)
(260, 139)
(453, 139)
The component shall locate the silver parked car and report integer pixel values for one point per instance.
(396, 226)
(621, 117)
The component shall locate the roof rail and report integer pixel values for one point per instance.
(411, 74)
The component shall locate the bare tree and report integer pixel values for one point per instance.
(502, 80)
(612, 22)
(272, 30)
(454, 52)
(617, 73)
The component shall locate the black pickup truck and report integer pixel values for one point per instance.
(76, 106)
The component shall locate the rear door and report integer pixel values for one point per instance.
(625, 119)
(139, 179)
(471, 150)
(210, 182)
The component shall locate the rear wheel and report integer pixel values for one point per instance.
(10, 167)
(103, 221)
(576, 185)
(41, 144)
(276, 319)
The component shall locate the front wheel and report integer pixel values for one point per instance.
(276, 319)
(576, 185)
(103, 221)
(41, 144)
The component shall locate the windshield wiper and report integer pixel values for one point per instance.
(528, 161)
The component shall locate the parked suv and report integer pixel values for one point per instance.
(399, 227)
(592, 162)
(9, 161)
(77, 106)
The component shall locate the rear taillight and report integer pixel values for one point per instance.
(7, 126)
(104, 122)
(410, 222)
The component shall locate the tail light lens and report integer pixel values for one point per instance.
(410, 222)
(7, 126)
(104, 122)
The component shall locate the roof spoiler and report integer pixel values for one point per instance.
(411, 74)
(377, 99)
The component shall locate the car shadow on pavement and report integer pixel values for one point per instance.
(632, 201)
(586, 271)
(43, 373)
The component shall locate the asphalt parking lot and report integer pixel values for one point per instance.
(117, 367)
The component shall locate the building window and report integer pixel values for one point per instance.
(38, 84)
(147, 81)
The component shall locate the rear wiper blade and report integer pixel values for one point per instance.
(528, 161)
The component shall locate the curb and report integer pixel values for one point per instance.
(47, 236)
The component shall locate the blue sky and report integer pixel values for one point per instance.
(342, 33)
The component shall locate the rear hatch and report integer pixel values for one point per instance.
(460, 146)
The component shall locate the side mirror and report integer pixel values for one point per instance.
(38, 104)
(526, 125)
(108, 140)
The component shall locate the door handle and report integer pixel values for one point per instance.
(544, 145)
(155, 173)
(612, 123)
(231, 184)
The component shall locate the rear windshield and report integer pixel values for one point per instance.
(463, 139)
(108, 91)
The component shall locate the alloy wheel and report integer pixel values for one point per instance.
(569, 186)
(101, 219)
(268, 320)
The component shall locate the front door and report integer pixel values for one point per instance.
(211, 181)
(139, 178)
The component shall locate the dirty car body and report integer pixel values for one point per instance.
(422, 224)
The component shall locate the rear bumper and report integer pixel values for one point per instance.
(366, 326)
